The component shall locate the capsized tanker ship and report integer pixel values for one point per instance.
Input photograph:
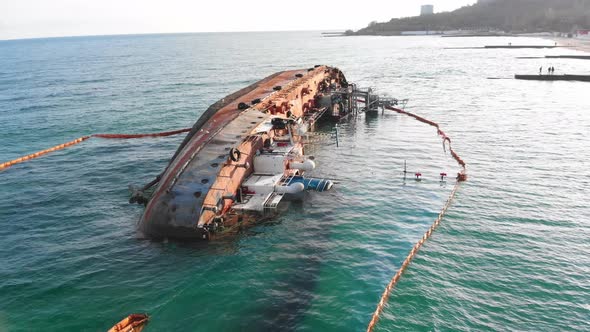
(244, 156)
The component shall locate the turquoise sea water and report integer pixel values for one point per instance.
(511, 254)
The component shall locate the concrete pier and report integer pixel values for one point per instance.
(584, 78)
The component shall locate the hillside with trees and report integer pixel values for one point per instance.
(519, 16)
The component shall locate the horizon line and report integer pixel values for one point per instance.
(165, 33)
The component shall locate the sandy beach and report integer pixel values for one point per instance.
(573, 43)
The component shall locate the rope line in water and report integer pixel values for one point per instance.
(160, 134)
(42, 152)
(82, 139)
(461, 176)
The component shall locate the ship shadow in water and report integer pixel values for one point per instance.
(292, 292)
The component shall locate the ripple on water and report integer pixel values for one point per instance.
(511, 254)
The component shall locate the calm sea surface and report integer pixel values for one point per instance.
(513, 253)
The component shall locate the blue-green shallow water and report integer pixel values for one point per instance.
(512, 253)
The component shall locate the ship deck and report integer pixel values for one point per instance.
(183, 189)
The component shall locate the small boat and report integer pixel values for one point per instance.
(131, 323)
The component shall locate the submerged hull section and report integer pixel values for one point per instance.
(201, 191)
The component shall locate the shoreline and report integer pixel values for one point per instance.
(573, 43)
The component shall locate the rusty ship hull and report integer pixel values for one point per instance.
(242, 156)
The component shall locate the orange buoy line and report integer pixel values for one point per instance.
(42, 152)
(82, 139)
(461, 176)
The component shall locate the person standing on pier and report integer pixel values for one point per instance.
(541, 70)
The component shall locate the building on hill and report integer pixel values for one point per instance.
(426, 10)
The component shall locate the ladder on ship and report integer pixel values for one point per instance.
(272, 201)
(275, 198)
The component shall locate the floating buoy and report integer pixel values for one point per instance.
(461, 177)
(418, 176)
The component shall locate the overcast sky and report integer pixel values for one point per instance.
(50, 18)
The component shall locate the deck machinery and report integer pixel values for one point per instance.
(245, 155)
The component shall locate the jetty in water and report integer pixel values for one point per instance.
(584, 78)
(580, 57)
(521, 46)
(488, 47)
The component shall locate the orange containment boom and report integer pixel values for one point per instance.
(133, 322)
(43, 152)
(83, 138)
(461, 177)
